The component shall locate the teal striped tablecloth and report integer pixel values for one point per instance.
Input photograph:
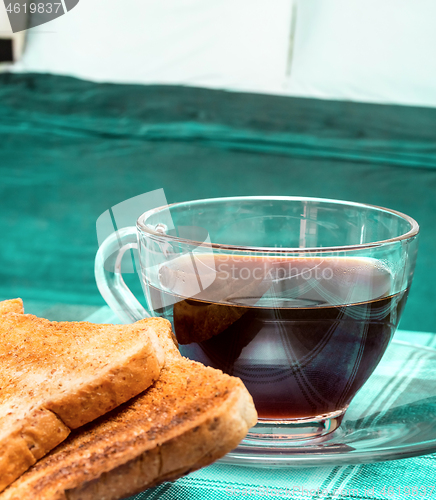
(411, 478)
(398, 479)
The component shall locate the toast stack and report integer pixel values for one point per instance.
(188, 418)
(55, 377)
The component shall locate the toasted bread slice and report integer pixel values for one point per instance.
(189, 418)
(58, 376)
(12, 305)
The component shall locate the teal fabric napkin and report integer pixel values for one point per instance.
(397, 479)
(401, 479)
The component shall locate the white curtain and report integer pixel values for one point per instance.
(363, 50)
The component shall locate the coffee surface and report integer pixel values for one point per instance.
(303, 334)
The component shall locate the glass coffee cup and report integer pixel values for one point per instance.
(299, 297)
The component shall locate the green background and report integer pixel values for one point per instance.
(70, 149)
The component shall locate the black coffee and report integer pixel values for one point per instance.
(296, 331)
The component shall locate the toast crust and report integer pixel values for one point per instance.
(189, 418)
(55, 377)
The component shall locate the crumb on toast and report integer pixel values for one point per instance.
(12, 305)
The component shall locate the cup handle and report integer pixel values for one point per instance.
(110, 280)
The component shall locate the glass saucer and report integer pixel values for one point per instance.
(393, 416)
